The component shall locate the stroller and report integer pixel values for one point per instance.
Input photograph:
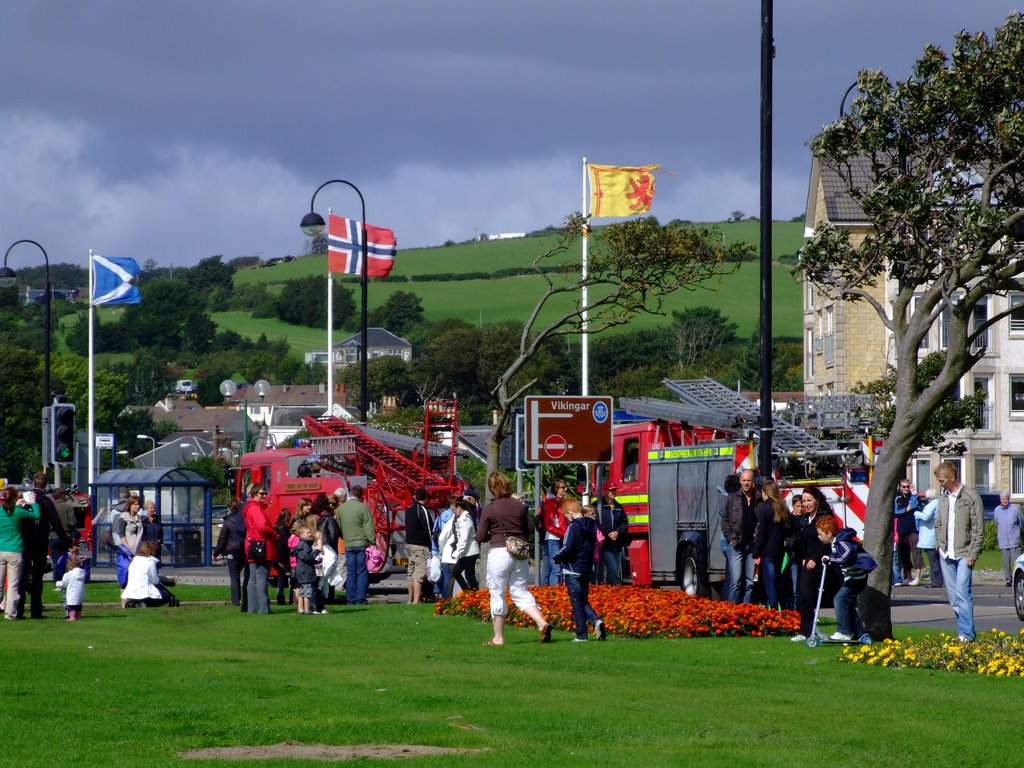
(816, 637)
(123, 558)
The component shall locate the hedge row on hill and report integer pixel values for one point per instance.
(447, 276)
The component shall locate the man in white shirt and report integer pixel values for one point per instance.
(959, 532)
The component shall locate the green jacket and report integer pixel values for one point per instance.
(356, 524)
(11, 525)
(969, 521)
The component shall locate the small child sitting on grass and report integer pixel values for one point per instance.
(577, 560)
(72, 588)
(855, 564)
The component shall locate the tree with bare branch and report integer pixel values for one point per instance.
(632, 267)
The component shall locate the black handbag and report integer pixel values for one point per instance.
(257, 550)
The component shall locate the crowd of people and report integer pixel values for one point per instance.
(327, 543)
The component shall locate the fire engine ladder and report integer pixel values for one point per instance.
(396, 475)
(440, 423)
(709, 394)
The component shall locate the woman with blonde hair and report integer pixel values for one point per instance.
(773, 528)
(504, 524)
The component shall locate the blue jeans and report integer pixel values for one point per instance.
(578, 588)
(958, 575)
(847, 620)
(897, 572)
(357, 577)
(770, 572)
(609, 567)
(741, 574)
(552, 575)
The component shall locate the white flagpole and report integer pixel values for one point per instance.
(584, 342)
(330, 331)
(91, 429)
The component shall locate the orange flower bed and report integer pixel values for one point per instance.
(638, 612)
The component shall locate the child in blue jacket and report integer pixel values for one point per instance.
(577, 560)
(855, 564)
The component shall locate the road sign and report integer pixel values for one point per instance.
(104, 439)
(568, 430)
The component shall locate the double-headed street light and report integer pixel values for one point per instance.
(313, 225)
(9, 278)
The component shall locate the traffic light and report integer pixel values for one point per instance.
(62, 433)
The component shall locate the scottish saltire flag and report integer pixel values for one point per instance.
(113, 281)
(345, 248)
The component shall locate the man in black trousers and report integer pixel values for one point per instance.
(37, 540)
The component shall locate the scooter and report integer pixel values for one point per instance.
(816, 636)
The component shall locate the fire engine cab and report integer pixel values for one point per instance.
(670, 472)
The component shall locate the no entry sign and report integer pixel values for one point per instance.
(568, 430)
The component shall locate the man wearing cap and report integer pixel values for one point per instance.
(613, 523)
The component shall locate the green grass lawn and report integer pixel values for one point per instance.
(497, 299)
(494, 300)
(130, 688)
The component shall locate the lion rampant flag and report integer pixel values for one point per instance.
(620, 190)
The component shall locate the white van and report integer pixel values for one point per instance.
(185, 387)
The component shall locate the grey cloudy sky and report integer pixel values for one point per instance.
(177, 130)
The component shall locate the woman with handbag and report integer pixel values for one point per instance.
(506, 526)
(260, 548)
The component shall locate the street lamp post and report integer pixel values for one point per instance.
(7, 279)
(313, 225)
(152, 440)
(228, 388)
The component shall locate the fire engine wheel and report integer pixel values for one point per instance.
(690, 580)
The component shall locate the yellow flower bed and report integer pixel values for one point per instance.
(992, 653)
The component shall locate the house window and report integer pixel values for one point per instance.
(351, 355)
(1017, 475)
(922, 474)
(810, 354)
(982, 473)
(924, 339)
(829, 338)
(1016, 395)
(1017, 314)
(983, 384)
(978, 318)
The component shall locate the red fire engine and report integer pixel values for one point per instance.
(390, 466)
(671, 470)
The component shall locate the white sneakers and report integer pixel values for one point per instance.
(913, 582)
(797, 638)
(841, 637)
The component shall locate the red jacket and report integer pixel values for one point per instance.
(552, 517)
(258, 527)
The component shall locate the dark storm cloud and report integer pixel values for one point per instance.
(212, 122)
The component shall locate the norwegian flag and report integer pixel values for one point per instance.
(345, 247)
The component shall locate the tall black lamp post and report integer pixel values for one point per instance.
(9, 278)
(764, 458)
(313, 225)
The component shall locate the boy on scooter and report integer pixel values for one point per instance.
(855, 564)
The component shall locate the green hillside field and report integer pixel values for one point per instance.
(496, 299)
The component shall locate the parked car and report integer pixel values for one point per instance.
(1018, 587)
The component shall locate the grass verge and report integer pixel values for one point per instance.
(128, 688)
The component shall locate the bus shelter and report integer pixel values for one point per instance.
(183, 501)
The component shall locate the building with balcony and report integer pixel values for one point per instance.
(846, 343)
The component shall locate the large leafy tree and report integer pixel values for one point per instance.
(400, 312)
(304, 302)
(632, 267)
(936, 163)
